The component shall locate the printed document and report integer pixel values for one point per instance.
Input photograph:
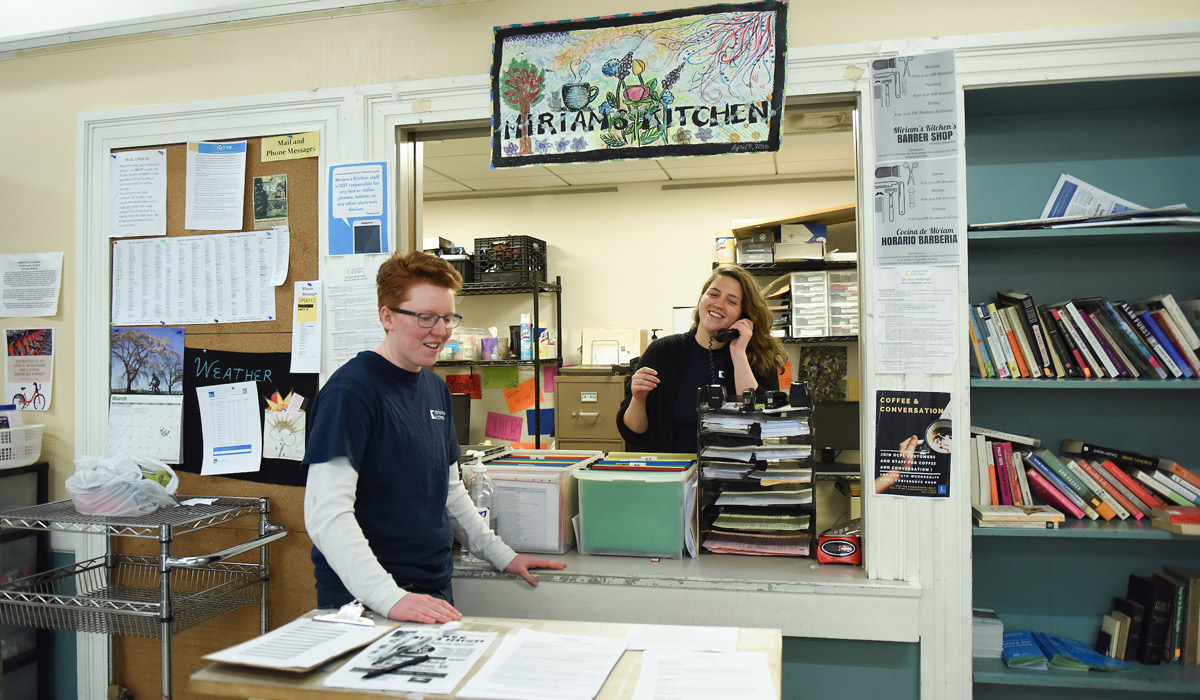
(229, 418)
(137, 187)
(353, 317)
(704, 676)
(300, 645)
(306, 327)
(279, 251)
(914, 320)
(221, 278)
(532, 665)
(450, 657)
(216, 183)
(30, 284)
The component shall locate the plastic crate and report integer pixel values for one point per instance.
(20, 446)
(633, 513)
(534, 497)
(463, 264)
(510, 259)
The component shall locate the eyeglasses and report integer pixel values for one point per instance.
(428, 320)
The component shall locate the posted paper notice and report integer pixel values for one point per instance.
(216, 177)
(29, 284)
(306, 328)
(137, 184)
(358, 207)
(29, 367)
(229, 417)
(915, 320)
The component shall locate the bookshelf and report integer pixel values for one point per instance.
(1135, 139)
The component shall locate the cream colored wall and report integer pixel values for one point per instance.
(41, 94)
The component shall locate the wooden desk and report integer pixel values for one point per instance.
(226, 680)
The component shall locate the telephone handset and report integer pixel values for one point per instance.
(725, 335)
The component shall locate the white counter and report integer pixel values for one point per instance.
(800, 596)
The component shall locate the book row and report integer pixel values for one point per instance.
(1088, 337)
(1017, 482)
(1156, 621)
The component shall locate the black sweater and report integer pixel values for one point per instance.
(668, 356)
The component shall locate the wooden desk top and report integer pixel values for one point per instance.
(226, 680)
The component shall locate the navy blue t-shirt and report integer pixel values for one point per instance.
(396, 429)
(697, 374)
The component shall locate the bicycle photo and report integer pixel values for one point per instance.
(37, 401)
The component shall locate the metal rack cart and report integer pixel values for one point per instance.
(143, 596)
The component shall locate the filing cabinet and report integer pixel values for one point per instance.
(586, 412)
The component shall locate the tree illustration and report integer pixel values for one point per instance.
(135, 350)
(523, 88)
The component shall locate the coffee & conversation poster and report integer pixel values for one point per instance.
(913, 436)
(698, 81)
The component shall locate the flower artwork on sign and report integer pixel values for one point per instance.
(702, 81)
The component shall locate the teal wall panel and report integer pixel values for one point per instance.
(820, 669)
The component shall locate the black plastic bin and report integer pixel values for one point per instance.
(510, 259)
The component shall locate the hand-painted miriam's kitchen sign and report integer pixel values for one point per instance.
(700, 81)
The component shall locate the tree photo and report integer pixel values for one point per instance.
(146, 361)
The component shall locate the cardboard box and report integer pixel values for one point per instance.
(437, 243)
(786, 252)
(612, 346)
(801, 233)
(749, 252)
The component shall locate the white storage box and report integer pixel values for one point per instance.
(843, 302)
(534, 497)
(20, 446)
(810, 304)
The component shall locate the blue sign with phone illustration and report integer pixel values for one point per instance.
(358, 209)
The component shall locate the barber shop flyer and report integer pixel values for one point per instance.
(913, 432)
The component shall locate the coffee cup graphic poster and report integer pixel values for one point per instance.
(913, 436)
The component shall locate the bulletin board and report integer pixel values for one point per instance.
(292, 590)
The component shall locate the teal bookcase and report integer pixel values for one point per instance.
(1137, 139)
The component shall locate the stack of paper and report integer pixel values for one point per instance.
(531, 665)
(987, 632)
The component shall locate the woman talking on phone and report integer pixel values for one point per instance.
(659, 410)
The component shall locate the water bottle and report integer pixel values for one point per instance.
(481, 494)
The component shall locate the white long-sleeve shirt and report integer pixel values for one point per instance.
(329, 519)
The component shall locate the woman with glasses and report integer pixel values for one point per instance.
(384, 500)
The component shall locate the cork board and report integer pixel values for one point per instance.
(291, 588)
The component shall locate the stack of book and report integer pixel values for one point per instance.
(1083, 481)
(1039, 650)
(1157, 621)
(1088, 337)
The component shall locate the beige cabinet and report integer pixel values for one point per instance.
(586, 412)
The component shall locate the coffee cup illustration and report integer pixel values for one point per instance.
(938, 436)
(578, 96)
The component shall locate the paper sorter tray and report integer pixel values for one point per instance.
(126, 599)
